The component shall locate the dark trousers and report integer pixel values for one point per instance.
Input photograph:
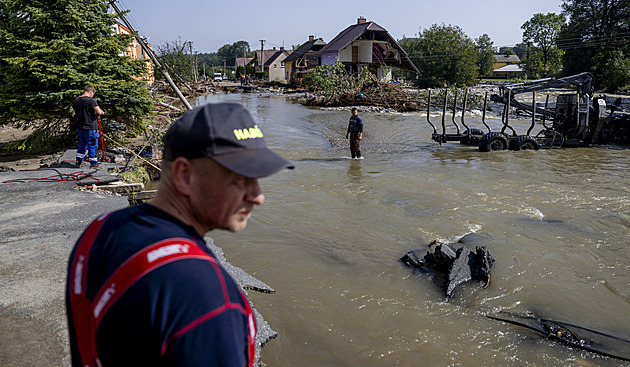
(355, 145)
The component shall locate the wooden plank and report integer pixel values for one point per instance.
(141, 197)
(123, 188)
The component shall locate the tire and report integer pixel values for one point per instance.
(467, 138)
(524, 142)
(493, 141)
(473, 132)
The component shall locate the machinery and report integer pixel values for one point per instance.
(575, 119)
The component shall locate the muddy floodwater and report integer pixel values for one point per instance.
(331, 232)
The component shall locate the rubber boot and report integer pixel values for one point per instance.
(358, 154)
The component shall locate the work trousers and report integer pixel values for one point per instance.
(87, 139)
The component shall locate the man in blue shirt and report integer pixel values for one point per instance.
(355, 130)
(143, 289)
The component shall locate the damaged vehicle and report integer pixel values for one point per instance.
(574, 119)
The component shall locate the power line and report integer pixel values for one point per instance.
(576, 43)
(132, 20)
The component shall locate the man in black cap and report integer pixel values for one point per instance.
(143, 289)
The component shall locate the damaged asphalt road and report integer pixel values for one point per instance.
(40, 222)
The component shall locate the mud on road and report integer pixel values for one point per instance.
(39, 222)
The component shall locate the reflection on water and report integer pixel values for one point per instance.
(354, 172)
(330, 234)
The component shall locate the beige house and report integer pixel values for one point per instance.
(504, 60)
(271, 62)
(507, 67)
(135, 51)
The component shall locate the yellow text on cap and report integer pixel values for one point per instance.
(251, 133)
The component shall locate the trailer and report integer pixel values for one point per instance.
(574, 119)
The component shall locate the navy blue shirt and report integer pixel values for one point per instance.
(173, 315)
(355, 125)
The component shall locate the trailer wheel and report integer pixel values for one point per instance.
(524, 142)
(493, 141)
(468, 136)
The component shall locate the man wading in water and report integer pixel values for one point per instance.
(355, 129)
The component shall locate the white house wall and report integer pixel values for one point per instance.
(365, 52)
(345, 55)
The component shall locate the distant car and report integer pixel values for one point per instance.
(217, 77)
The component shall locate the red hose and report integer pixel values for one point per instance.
(59, 177)
(100, 133)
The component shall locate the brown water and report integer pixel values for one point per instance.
(329, 237)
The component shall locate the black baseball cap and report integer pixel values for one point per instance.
(228, 134)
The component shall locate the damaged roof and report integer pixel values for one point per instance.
(310, 45)
(350, 34)
(373, 32)
(507, 58)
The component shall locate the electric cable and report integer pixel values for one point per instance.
(76, 176)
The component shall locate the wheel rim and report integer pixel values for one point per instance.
(528, 145)
(497, 144)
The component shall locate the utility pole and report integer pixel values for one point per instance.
(149, 52)
(262, 56)
(192, 59)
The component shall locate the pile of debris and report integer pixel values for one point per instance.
(387, 95)
(452, 267)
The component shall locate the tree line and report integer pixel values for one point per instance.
(588, 36)
(189, 66)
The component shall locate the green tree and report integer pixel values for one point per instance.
(205, 62)
(596, 33)
(334, 80)
(521, 50)
(444, 55)
(48, 52)
(617, 72)
(229, 53)
(177, 59)
(485, 54)
(506, 50)
(540, 33)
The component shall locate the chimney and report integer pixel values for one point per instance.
(360, 20)
(281, 48)
(311, 38)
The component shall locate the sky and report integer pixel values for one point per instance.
(212, 24)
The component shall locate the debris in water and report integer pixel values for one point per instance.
(455, 266)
